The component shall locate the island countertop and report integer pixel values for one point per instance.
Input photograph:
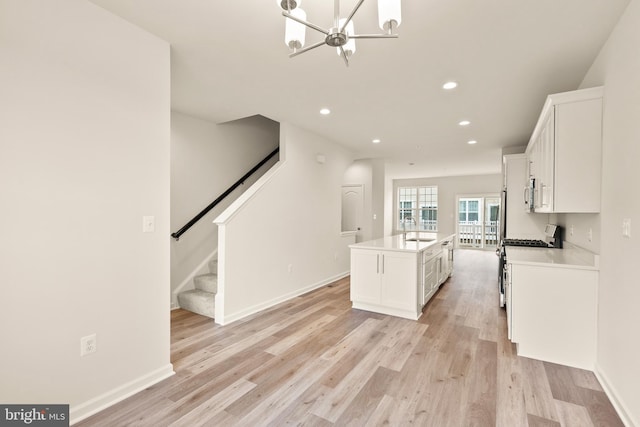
(400, 244)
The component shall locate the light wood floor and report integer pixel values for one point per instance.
(315, 361)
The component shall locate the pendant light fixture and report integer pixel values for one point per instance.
(342, 34)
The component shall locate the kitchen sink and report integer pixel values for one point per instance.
(417, 239)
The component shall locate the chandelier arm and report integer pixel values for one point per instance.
(306, 49)
(344, 56)
(353, 12)
(373, 36)
(308, 24)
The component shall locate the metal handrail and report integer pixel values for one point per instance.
(229, 190)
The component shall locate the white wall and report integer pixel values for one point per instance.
(618, 68)
(206, 159)
(448, 189)
(84, 140)
(284, 239)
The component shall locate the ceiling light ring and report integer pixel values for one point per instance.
(336, 38)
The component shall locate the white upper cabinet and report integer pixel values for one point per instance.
(565, 153)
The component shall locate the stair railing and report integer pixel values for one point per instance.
(213, 204)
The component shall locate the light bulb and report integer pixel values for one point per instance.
(294, 32)
(288, 4)
(350, 46)
(389, 14)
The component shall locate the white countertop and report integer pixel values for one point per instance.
(570, 256)
(397, 242)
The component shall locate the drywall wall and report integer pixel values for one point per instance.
(378, 169)
(206, 159)
(84, 156)
(618, 68)
(282, 237)
(585, 229)
(448, 189)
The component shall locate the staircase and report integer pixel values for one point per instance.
(202, 299)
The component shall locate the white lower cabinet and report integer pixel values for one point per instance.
(552, 313)
(432, 277)
(385, 282)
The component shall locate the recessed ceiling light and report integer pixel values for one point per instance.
(473, 141)
(376, 141)
(325, 111)
(464, 123)
(449, 85)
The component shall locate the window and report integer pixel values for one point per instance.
(469, 210)
(418, 208)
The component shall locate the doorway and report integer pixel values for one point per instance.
(478, 222)
(352, 209)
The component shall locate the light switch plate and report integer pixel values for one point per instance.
(626, 228)
(148, 224)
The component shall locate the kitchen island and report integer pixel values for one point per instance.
(397, 275)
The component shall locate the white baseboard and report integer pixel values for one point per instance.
(611, 393)
(84, 410)
(282, 298)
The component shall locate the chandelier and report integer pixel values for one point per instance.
(342, 34)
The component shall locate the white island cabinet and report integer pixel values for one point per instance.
(396, 276)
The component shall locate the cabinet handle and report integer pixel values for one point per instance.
(378, 264)
(382, 263)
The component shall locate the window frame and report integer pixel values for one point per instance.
(421, 201)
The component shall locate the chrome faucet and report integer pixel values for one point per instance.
(404, 229)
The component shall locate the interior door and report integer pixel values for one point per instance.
(352, 209)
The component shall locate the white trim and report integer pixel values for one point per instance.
(376, 308)
(609, 390)
(97, 404)
(229, 318)
(189, 279)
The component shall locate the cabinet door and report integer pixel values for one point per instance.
(445, 265)
(439, 271)
(578, 156)
(429, 279)
(547, 162)
(365, 276)
(399, 280)
(506, 275)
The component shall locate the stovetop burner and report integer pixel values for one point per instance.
(527, 243)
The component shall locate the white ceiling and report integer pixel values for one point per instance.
(229, 61)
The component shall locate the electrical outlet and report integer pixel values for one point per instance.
(571, 230)
(290, 268)
(88, 345)
(590, 235)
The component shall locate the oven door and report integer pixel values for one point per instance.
(502, 261)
